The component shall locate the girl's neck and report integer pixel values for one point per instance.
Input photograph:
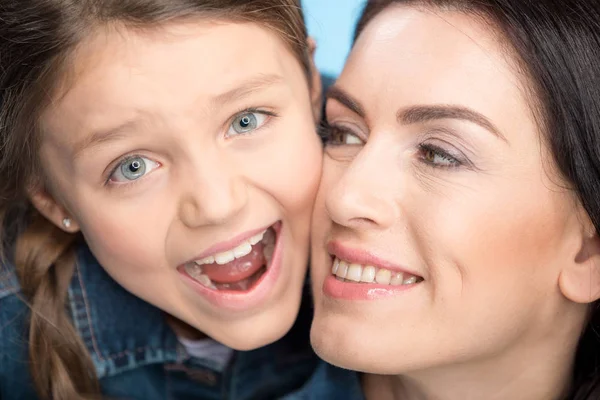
(184, 330)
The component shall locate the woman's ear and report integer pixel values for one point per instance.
(579, 280)
(316, 95)
(47, 205)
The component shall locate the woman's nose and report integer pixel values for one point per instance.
(364, 195)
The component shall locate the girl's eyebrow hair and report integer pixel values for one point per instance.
(420, 113)
(242, 90)
(248, 87)
(102, 136)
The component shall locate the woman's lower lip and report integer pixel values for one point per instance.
(243, 300)
(334, 288)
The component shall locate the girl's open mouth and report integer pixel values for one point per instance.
(241, 277)
(237, 269)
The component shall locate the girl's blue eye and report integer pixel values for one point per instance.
(132, 169)
(246, 122)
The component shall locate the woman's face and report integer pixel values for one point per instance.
(189, 160)
(438, 196)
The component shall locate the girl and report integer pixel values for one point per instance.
(456, 253)
(174, 143)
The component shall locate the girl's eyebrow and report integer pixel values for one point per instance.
(248, 87)
(103, 136)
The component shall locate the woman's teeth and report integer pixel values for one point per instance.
(348, 272)
(267, 237)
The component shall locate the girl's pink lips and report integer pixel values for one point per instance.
(243, 301)
(363, 257)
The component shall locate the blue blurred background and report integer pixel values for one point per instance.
(331, 23)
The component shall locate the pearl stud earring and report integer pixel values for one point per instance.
(66, 222)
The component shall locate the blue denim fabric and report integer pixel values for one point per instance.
(136, 354)
(329, 382)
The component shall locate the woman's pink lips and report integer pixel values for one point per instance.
(363, 257)
(336, 289)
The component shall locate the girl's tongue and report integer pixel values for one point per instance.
(238, 269)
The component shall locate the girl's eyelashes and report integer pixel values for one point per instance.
(247, 121)
(131, 169)
(338, 135)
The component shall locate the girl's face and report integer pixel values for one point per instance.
(188, 159)
(438, 196)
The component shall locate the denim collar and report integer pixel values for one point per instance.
(120, 331)
(123, 332)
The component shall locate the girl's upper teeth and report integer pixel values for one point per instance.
(257, 238)
(370, 274)
(228, 256)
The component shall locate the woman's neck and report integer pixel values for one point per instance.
(524, 375)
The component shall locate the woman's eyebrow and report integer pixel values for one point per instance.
(420, 113)
(340, 95)
(425, 113)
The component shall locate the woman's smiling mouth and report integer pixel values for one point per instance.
(358, 275)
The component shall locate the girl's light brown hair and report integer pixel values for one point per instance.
(37, 37)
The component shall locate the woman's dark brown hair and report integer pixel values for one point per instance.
(557, 43)
(37, 38)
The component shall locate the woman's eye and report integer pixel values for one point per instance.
(337, 136)
(349, 138)
(132, 169)
(246, 122)
(437, 157)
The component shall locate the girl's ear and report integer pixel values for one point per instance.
(316, 95)
(47, 205)
(579, 279)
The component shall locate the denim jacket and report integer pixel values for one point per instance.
(137, 355)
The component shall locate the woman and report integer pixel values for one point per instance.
(456, 252)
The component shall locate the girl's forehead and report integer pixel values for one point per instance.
(130, 71)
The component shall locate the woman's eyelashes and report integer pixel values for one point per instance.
(438, 157)
(248, 121)
(339, 135)
(432, 155)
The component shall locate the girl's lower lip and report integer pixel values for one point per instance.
(241, 301)
(361, 291)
